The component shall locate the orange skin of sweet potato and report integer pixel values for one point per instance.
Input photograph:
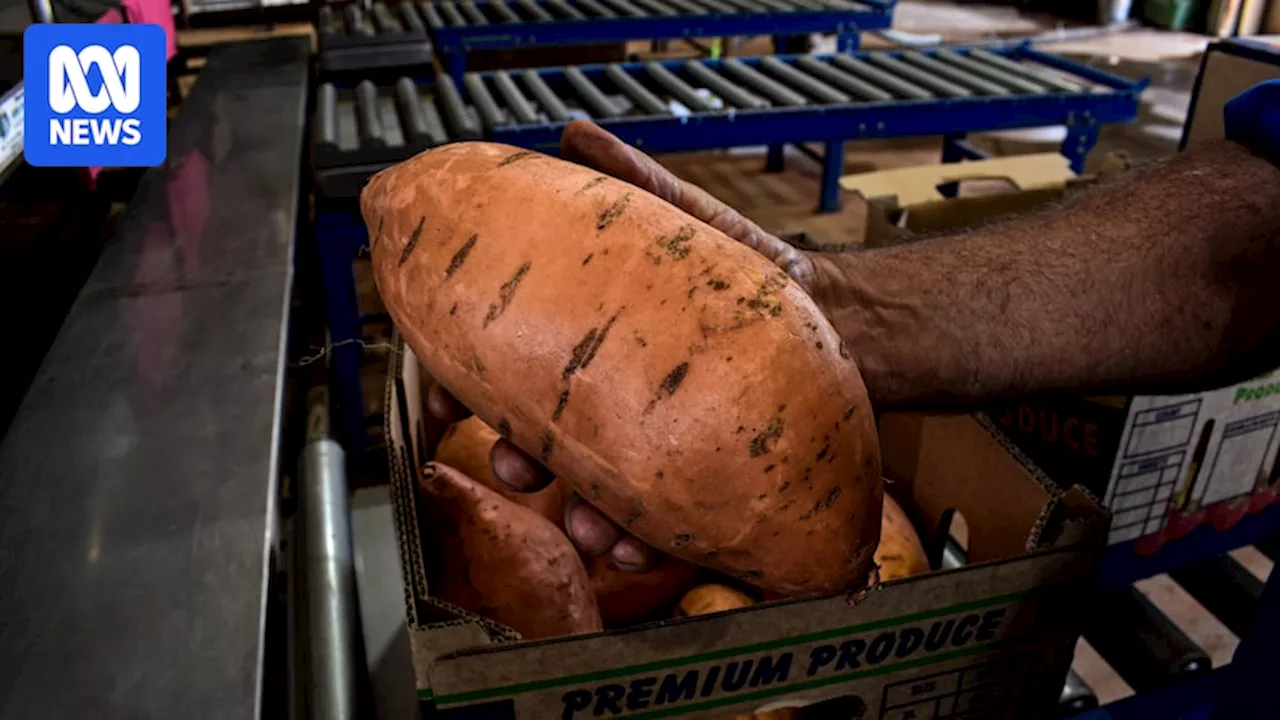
(466, 445)
(900, 553)
(711, 598)
(627, 598)
(503, 561)
(641, 355)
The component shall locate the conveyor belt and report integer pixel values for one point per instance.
(738, 101)
(459, 27)
(388, 34)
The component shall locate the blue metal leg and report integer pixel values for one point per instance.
(774, 162)
(848, 41)
(953, 150)
(339, 239)
(457, 65)
(1080, 140)
(832, 169)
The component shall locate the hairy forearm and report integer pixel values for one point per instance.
(1166, 276)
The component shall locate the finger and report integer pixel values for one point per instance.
(515, 470)
(592, 532)
(632, 555)
(443, 406)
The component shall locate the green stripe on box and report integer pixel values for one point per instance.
(592, 677)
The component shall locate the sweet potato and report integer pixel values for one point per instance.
(900, 553)
(627, 598)
(711, 598)
(503, 561)
(465, 446)
(678, 380)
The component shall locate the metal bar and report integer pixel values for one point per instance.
(717, 84)
(429, 11)
(327, 116)
(760, 83)
(1142, 645)
(412, 119)
(677, 87)
(843, 80)
(657, 7)
(354, 19)
(411, 20)
(455, 113)
(938, 85)
(550, 103)
(954, 74)
(535, 11)
(451, 15)
(566, 10)
(844, 5)
(435, 126)
(687, 7)
(326, 585)
(995, 75)
(383, 20)
(810, 5)
(41, 11)
(626, 8)
(1225, 588)
(808, 84)
(832, 169)
(596, 9)
(875, 75)
(490, 115)
(749, 6)
(718, 7)
(1076, 695)
(777, 5)
(514, 100)
(1035, 74)
(324, 20)
(638, 93)
(1092, 74)
(367, 115)
(596, 101)
(473, 13)
(504, 11)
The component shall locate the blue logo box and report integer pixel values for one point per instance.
(95, 95)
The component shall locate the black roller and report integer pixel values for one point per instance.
(1225, 588)
(412, 22)
(935, 84)
(879, 77)
(432, 15)
(638, 93)
(762, 84)
(504, 12)
(513, 99)
(807, 84)
(1000, 77)
(657, 7)
(435, 126)
(355, 21)
(412, 119)
(566, 10)
(326, 130)
(452, 14)
(368, 117)
(718, 84)
(490, 115)
(954, 74)
(596, 102)
(841, 79)
(1142, 645)
(536, 11)
(550, 103)
(678, 89)
(382, 18)
(473, 13)
(324, 21)
(626, 8)
(596, 9)
(455, 113)
(1035, 74)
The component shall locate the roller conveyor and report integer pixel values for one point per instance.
(385, 35)
(733, 102)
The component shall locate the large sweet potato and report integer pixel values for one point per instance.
(466, 446)
(678, 380)
(627, 598)
(900, 553)
(503, 561)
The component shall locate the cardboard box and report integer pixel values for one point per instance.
(994, 637)
(1163, 464)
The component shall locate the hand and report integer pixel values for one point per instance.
(587, 144)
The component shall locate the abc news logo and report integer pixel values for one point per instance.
(69, 91)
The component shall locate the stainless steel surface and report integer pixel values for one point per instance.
(138, 479)
(330, 636)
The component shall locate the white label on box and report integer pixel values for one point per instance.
(1239, 462)
(11, 111)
